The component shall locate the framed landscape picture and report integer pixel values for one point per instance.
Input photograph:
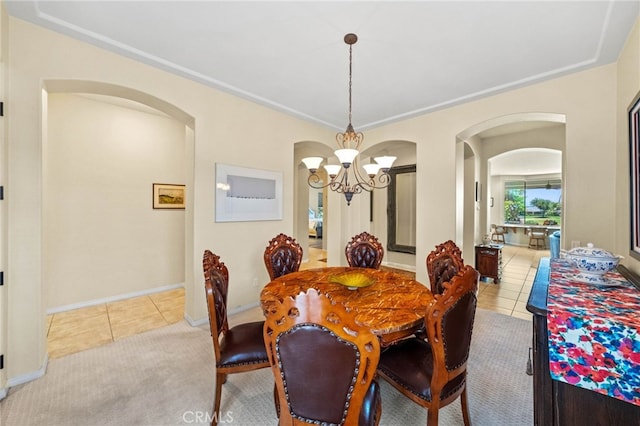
(168, 196)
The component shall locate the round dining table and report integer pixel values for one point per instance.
(392, 307)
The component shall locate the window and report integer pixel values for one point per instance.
(533, 202)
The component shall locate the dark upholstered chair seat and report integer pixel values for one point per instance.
(410, 362)
(371, 405)
(243, 345)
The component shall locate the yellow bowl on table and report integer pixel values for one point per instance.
(353, 280)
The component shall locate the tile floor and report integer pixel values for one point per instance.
(80, 329)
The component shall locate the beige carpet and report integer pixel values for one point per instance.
(165, 377)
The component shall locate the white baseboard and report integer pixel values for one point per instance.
(242, 308)
(410, 268)
(196, 323)
(94, 302)
(33, 375)
(231, 312)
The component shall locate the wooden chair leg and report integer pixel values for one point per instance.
(220, 379)
(432, 416)
(465, 407)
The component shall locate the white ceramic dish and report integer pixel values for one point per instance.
(592, 262)
(597, 280)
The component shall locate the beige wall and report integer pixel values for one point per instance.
(224, 127)
(628, 79)
(3, 205)
(587, 99)
(101, 236)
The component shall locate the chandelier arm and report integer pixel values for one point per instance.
(361, 180)
(384, 179)
(337, 187)
(315, 181)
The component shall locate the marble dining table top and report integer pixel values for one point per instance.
(392, 307)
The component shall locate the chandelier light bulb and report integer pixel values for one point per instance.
(346, 156)
(332, 170)
(371, 169)
(385, 162)
(312, 163)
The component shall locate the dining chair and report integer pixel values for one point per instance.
(443, 263)
(323, 362)
(537, 238)
(237, 349)
(432, 372)
(282, 255)
(364, 251)
(497, 233)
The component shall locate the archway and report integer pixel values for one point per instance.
(509, 132)
(302, 191)
(368, 211)
(116, 97)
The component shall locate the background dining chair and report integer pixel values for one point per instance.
(282, 255)
(443, 263)
(323, 362)
(497, 233)
(537, 238)
(433, 372)
(364, 251)
(236, 349)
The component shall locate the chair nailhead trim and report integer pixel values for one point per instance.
(353, 379)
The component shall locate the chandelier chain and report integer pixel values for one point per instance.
(350, 84)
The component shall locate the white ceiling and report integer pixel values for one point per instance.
(528, 161)
(411, 57)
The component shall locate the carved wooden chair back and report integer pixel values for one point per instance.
(282, 256)
(323, 362)
(236, 349)
(433, 372)
(443, 263)
(364, 251)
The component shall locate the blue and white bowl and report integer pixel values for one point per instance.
(592, 261)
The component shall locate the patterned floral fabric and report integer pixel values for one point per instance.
(594, 333)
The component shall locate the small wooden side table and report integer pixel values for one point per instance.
(489, 261)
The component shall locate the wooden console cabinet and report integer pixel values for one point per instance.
(489, 261)
(557, 403)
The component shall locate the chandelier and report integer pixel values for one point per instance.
(347, 177)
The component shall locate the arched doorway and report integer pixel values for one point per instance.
(368, 211)
(488, 139)
(303, 221)
(96, 201)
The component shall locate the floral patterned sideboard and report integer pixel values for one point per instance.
(586, 348)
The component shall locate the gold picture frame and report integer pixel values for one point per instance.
(168, 196)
